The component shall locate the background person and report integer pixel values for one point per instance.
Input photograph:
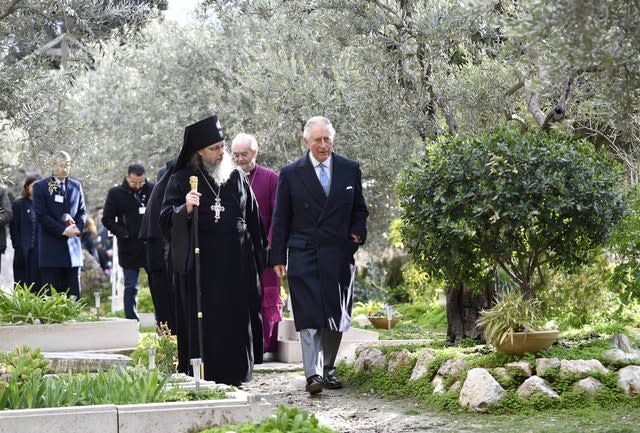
(157, 254)
(23, 237)
(264, 182)
(122, 214)
(318, 224)
(231, 254)
(58, 202)
(6, 214)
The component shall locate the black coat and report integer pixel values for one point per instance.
(122, 215)
(22, 227)
(5, 217)
(229, 256)
(311, 233)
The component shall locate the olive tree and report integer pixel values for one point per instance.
(522, 203)
(45, 46)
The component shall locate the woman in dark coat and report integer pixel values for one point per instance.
(23, 238)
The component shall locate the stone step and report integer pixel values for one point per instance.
(289, 349)
(80, 362)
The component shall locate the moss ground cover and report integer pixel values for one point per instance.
(610, 410)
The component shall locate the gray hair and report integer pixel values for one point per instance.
(318, 120)
(241, 137)
(60, 154)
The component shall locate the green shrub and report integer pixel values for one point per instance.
(25, 385)
(144, 301)
(24, 306)
(285, 420)
(582, 297)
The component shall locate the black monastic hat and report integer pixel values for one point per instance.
(198, 136)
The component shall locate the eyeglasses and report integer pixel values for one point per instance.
(216, 148)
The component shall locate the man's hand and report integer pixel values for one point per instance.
(71, 231)
(280, 270)
(192, 199)
(356, 238)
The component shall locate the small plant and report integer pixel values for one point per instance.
(166, 350)
(511, 313)
(373, 308)
(24, 306)
(285, 420)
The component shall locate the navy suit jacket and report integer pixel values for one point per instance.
(55, 249)
(312, 234)
(22, 227)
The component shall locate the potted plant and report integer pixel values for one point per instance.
(381, 315)
(512, 324)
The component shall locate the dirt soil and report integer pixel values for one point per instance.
(347, 410)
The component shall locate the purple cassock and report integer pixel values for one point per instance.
(264, 182)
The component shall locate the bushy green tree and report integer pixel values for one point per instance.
(521, 203)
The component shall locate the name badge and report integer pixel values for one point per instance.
(141, 210)
(58, 198)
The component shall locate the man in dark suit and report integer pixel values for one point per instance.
(319, 222)
(58, 202)
(122, 214)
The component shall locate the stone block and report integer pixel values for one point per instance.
(102, 335)
(85, 419)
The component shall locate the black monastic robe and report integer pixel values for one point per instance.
(231, 257)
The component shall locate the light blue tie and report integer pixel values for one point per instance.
(324, 180)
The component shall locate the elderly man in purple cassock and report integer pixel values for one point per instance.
(264, 182)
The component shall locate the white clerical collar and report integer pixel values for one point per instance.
(316, 163)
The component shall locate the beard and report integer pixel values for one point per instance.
(220, 173)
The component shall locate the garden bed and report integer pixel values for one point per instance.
(103, 335)
(174, 417)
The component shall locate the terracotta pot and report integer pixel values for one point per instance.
(527, 342)
(381, 322)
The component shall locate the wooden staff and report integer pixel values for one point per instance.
(193, 181)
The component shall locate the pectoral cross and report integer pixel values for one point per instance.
(217, 208)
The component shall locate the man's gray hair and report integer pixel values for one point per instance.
(60, 154)
(315, 120)
(242, 137)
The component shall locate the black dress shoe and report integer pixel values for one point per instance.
(332, 382)
(314, 384)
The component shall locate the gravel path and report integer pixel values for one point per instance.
(346, 410)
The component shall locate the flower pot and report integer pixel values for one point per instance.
(527, 342)
(381, 322)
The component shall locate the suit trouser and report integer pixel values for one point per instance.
(130, 291)
(62, 279)
(319, 351)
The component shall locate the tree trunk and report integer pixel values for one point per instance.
(463, 308)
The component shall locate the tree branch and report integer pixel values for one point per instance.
(533, 103)
(11, 8)
(519, 85)
(559, 112)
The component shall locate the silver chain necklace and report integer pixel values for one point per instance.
(217, 207)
